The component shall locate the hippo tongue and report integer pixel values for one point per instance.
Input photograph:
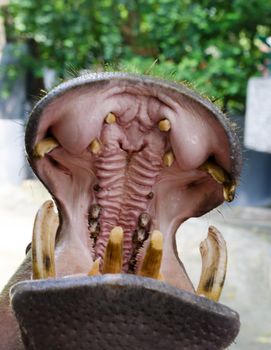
(113, 312)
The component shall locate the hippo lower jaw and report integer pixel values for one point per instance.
(127, 160)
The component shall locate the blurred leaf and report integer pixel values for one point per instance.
(209, 43)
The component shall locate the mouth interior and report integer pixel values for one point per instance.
(114, 167)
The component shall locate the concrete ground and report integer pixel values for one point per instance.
(247, 232)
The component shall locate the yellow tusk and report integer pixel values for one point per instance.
(160, 277)
(152, 260)
(45, 146)
(164, 125)
(95, 146)
(221, 177)
(113, 253)
(110, 118)
(214, 265)
(168, 159)
(43, 241)
(95, 269)
(229, 189)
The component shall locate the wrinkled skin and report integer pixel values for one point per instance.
(129, 171)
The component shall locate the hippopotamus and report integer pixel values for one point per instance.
(127, 159)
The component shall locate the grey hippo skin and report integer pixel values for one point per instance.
(112, 152)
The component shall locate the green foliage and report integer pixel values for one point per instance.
(209, 43)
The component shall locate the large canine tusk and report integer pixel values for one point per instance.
(43, 241)
(214, 265)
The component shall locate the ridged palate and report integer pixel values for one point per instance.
(125, 179)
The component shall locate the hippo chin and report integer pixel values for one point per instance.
(127, 159)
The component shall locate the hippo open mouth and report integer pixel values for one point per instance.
(127, 160)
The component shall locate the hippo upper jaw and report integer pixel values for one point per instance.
(128, 146)
(127, 159)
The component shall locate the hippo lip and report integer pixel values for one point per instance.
(127, 160)
(119, 311)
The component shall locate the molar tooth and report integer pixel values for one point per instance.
(144, 220)
(221, 177)
(97, 188)
(43, 241)
(142, 235)
(152, 260)
(214, 265)
(113, 253)
(164, 125)
(168, 158)
(95, 211)
(139, 237)
(150, 195)
(110, 118)
(95, 146)
(45, 146)
(95, 269)
(93, 226)
(94, 229)
(132, 263)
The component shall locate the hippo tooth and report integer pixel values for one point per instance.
(144, 220)
(229, 189)
(161, 277)
(113, 253)
(139, 237)
(153, 257)
(95, 146)
(94, 230)
(164, 125)
(95, 269)
(95, 211)
(168, 158)
(110, 118)
(214, 265)
(221, 177)
(45, 146)
(43, 241)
